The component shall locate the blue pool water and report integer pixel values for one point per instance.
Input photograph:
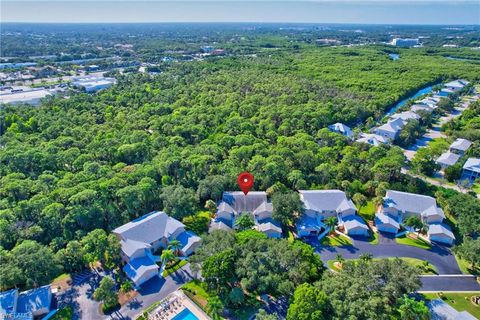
(402, 102)
(186, 314)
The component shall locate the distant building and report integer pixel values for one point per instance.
(31, 97)
(342, 129)
(92, 83)
(406, 116)
(471, 169)
(25, 305)
(405, 43)
(142, 237)
(460, 146)
(456, 85)
(421, 107)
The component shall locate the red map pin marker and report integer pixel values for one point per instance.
(245, 182)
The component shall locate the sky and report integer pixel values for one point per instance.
(301, 11)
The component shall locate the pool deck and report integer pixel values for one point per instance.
(178, 303)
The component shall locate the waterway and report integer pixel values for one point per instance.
(401, 103)
(463, 59)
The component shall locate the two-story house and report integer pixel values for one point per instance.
(321, 204)
(142, 237)
(397, 206)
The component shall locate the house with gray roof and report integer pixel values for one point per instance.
(460, 146)
(471, 170)
(385, 223)
(342, 129)
(321, 204)
(391, 129)
(421, 107)
(406, 116)
(26, 305)
(372, 139)
(440, 232)
(236, 203)
(140, 238)
(440, 310)
(399, 205)
(447, 159)
(456, 85)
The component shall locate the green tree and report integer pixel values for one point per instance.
(244, 222)
(214, 307)
(360, 200)
(263, 315)
(72, 256)
(197, 223)
(219, 270)
(469, 250)
(178, 201)
(366, 257)
(243, 237)
(211, 206)
(95, 244)
(410, 309)
(415, 222)
(285, 206)
(236, 296)
(331, 222)
(174, 245)
(167, 256)
(309, 303)
(106, 293)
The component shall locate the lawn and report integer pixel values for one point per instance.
(63, 314)
(465, 267)
(459, 301)
(413, 242)
(476, 188)
(173, 268)
(411, 261)
(196, 290)
(336, 241)
(367, 212)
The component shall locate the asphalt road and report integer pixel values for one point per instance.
(449, 283)
(439, 256)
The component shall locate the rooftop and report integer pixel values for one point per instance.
(326, 200)
(472, 164)
(35, 299)
(461, 144)
(240, 202)
(413, 203)
(448, 158)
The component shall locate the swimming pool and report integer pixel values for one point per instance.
(186, 314)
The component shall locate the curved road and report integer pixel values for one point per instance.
(439, 256)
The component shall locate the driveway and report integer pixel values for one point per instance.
(80, 296)
(439, 256)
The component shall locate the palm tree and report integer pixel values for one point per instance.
(366, 257)
(330, 222)
(167, 256)
(340, 258)
(214, 307)
(174, 245)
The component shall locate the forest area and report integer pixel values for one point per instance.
(177, 139)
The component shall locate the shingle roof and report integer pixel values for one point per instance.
(472, 164)
(421, 107)
(381, 218)
(440, 229)
(264, 207)
(372, 139)
(149, 228)
(457, 83)
(411, 202)
(244, 203)
(326, 200)
(129, 247)
(219, 225)
(340, 127)
(188, 239)
(269, 227)
(8, 301)
(394, 125)
(461, 144)
(138, 267)
(448, 158)
(406, 115)
(35, 299)
(354, 221)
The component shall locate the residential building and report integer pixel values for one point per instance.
(321, 204)
(460, 146)
(236, 203)
(471, 169)
(421, 107)
(397, 206)
(372, 139)
(406, 116)
(440, 232)
(456, 85)
(342, 129)
(447, 159)
(26, 305)
(405, 43)
(142, 237)
(391, 129)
